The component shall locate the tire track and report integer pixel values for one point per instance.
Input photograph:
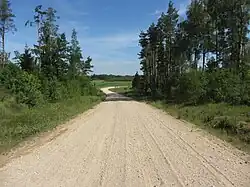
(104, 168)
(116, 167)
(174, 173)
(134, 151)
(213, 170)
(184, 144)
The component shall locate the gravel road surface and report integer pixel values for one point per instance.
(126, 143)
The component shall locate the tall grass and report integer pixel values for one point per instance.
(231, 123)
(19, 122)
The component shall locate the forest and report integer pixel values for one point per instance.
(46, 84)
(203, 58)
(200, 66)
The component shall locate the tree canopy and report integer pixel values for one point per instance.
(204, 57)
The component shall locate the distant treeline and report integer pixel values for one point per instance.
(111, 77)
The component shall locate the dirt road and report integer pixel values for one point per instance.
(126, 143)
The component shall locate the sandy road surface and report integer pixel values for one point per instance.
(126, 143)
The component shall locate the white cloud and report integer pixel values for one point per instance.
(116, 67)
(156, 12)
(181, 7)
(115, 53)
(68, 25)
(66, 7)
(115, 41)
(109, 44)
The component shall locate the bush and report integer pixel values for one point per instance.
(9, 74)
(53, 90)
(192, 87)
(225, 86)
(224, 123)
(25, 86)
(28, 89)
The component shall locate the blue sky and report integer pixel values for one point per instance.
(107, 30)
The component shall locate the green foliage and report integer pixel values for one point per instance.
(8, 75)
(27, 88)
(232, 121)
(6, 25)
(47, 85)
(26, 60)
(75, 58)
(52, 89)
(87, 66)
(202, 58)
(192, 87)
(136, 81)
(18, 124)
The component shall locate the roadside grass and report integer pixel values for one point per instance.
(103, 84)
(228, 122)
(18, 122)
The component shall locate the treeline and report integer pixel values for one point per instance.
(203, 58)
(111, 77)
(51, 70)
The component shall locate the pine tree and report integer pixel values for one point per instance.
(6, 25)
(212, 40)
(38, 21)
(61, 53)
(75, 56)
(151, 50)
(136, 81)
(195, 21)
(48, 44)
(87, 66)
(170, 21)
(26, 60)
(143, 42)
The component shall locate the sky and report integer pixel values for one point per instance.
(107, 30)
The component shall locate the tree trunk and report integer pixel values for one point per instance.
(216, 40)
(3, 47)
(204, 61)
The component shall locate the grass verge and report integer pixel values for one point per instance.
(230, 123)
(19, 122)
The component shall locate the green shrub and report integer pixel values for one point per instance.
(9, 74)
(28, 89)
(224, 122)
(25, 86)
(225, 86)
(192, 87)
(52, 89)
